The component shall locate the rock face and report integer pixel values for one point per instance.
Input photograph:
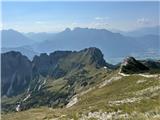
(95, 56)
(16, 73)
(48, 64)
(130, 65)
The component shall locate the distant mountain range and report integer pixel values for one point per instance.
(12, 38)
(143, 31)
(25, 50)
(39, 37)
(113, 45)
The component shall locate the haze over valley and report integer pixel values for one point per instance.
(115, 46)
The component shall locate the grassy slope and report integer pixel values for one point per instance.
(101, 98)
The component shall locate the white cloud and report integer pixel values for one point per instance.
(74, 24)
(143, 21)
(100, 25)
(91, 24)
(39, 22)
(101, 18)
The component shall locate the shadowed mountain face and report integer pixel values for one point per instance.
(16, 73)
(47, 64)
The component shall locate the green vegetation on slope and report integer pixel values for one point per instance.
(135, 96)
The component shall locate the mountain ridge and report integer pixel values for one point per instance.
(45, 64)
(69, 81)
(74, 71)
(13, 38)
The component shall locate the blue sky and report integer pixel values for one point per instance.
(56, 16)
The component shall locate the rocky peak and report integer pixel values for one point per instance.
(131, 65)
(128, 60)
(96, 56)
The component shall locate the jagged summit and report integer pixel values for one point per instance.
(66, 61)
(128, 60)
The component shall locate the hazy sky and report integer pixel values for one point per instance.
(56, 16)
